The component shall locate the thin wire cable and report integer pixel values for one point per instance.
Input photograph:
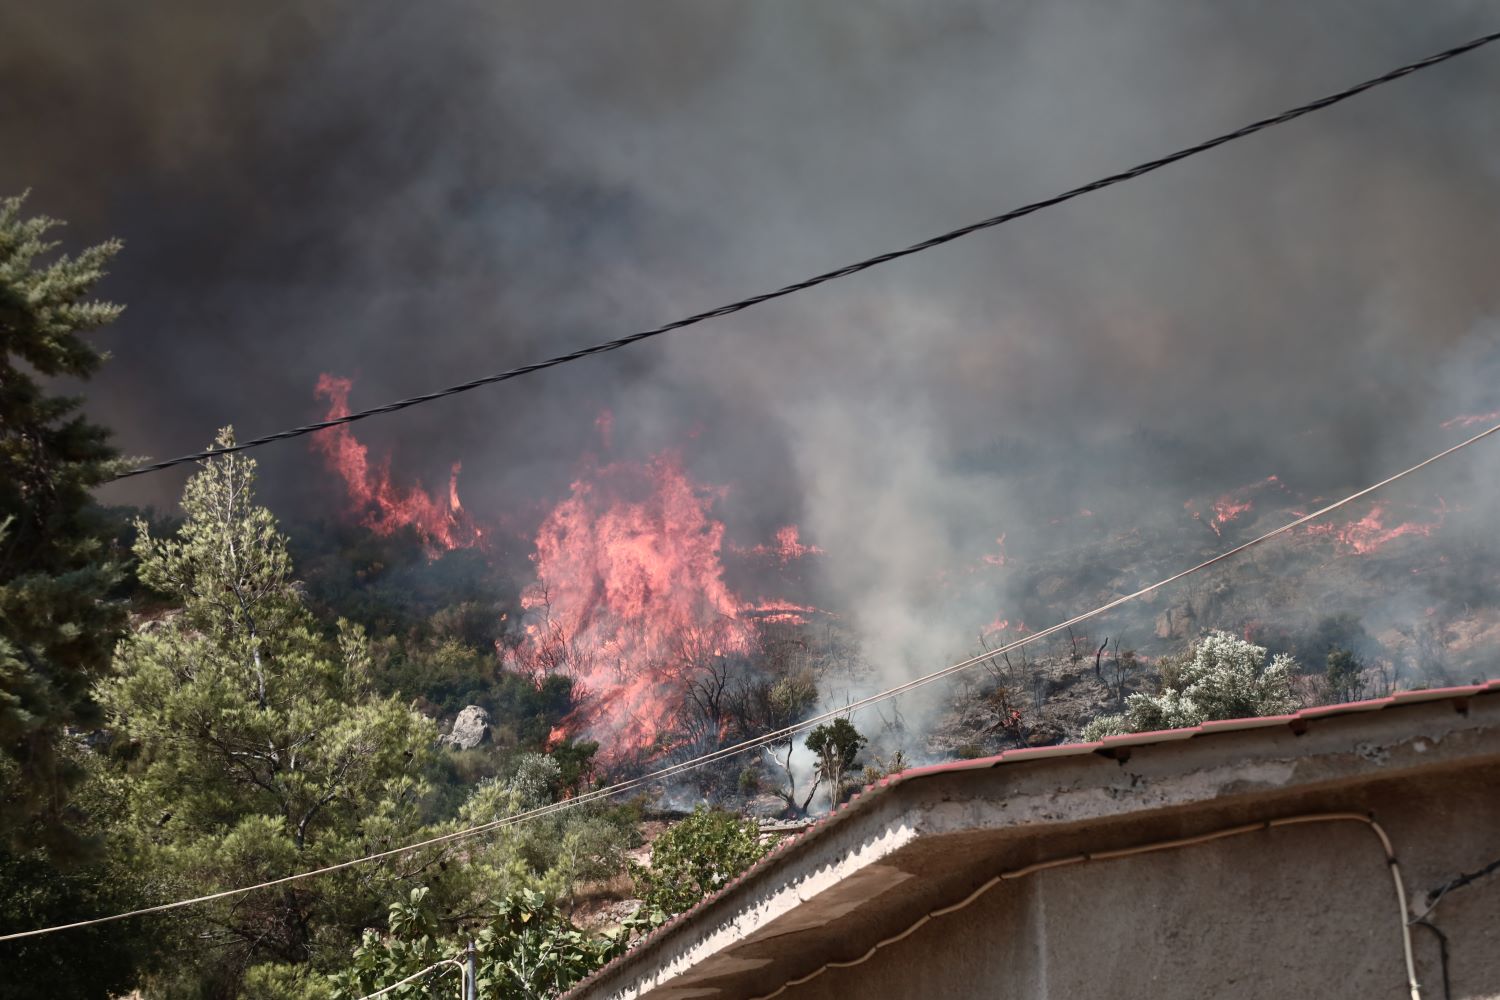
(414, 977)
(845, 271)
(766, 739)
(1435, 896)
(1148, 848)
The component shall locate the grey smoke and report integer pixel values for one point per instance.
(411, 194)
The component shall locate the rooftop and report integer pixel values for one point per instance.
(912, 842)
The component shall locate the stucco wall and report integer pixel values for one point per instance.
(1307, 910)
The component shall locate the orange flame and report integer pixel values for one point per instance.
(789, 546)
(1232, 504)
(1370, 534)
(381, 506)
(630, 599)
(998, 625)
(1226, 509)
(781, 611)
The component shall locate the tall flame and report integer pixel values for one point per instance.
(381, 506)
(630, 599)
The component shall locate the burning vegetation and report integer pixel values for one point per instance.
(627, 602)
(438, 518)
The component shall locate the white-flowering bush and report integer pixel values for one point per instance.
(1223, 677)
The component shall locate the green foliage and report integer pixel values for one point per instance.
(525, 948)
(1222, 677)
(696, 857)
(392, 585)
(444, 674)
(575, 763)
(551, 854)
(1343, 676)
(57, 621)
(59, 617)
(436, 626)
(284, 981)
(837, 745)
(259, 748)
(92, 962)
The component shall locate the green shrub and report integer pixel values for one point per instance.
(697, 857)
(1222, 677)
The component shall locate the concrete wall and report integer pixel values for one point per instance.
(1295, 911)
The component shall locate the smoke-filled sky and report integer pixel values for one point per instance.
(412, 194)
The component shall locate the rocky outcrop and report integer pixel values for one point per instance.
(470, 729)
(1176, 622)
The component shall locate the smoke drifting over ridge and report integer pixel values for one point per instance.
(410, 195)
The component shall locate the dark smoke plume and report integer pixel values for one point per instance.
(411, 194)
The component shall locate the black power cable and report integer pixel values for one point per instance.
(842, 272)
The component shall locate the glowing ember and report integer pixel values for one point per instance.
(381, 506)
(630, 600)
(1472, 420)
(997, 558)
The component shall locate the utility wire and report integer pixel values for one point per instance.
(418, 975)
(1435, 896)
(842, 272)
(766, 739)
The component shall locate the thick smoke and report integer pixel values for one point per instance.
(410, 194)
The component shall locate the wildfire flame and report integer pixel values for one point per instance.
(630, 600)
(379, 505)
(1231, 505)
(788, 547)
(1370, 533)
(782, 611)
(1471, 420)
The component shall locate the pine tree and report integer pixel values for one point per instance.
(260, 749)
(57, 623)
